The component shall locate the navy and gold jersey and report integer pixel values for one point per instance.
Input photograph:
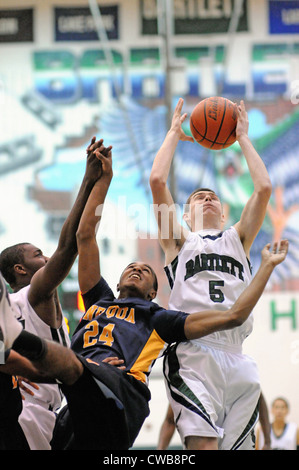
(135, 330)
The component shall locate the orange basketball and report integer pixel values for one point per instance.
(213, 123)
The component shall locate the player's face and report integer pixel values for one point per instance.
(137, 279)
(279, 409)
(34, 259)
(205, 206)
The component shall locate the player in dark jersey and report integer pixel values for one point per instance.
(12, 436)
(107, 405)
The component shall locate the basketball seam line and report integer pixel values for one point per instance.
(224, 111)
(209, 140)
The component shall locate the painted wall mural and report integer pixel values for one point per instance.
(77, 95)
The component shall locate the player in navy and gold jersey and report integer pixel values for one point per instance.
(107, 405)
(119, 323)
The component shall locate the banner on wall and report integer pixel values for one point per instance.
(77, 24)
(16, 25)
(283, 17)
(194, 16)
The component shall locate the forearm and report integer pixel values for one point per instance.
(19, 365)
(250, 296)
(67, 240)
(162, 162)
(253, 214)
(256, 166)
(166, 433)
(92, 213)
(203, 323)
(264, 420)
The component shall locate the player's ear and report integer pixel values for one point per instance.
(187, 218)
(117, 288)
(19, 269)
(152, 294)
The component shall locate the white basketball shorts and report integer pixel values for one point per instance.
(213, 391)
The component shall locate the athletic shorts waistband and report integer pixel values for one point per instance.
(227, 347)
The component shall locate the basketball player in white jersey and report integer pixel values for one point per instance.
(212, 387)
(34, 279)
(284, 434)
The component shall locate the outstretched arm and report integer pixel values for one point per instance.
(89, 258)
(255, 209)
(171, 233)
(207, 322)
(48, 278)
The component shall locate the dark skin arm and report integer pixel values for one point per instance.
(265, 423)
(89, 257)
(16, 364)
(45, 281)
(167, 430)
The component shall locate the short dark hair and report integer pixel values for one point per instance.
(198, 191)
(8, 258)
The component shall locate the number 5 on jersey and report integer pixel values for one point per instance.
(216, 295)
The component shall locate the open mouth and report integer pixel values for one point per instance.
(135, 276)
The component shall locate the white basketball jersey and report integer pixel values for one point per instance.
(38, 410)
(210, 272)
(286, 441)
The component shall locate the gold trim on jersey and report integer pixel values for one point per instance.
(151, 351)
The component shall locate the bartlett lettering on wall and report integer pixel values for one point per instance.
(194, 16)
(16, 25)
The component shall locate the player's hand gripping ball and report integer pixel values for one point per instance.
(213, 123)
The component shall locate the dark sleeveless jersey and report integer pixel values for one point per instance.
(135, 330)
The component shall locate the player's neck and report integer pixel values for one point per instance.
(130, 292)
(206, 226)
(206, 223)
(20, 285)
(278, 424)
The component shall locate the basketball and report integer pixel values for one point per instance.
(213, 123)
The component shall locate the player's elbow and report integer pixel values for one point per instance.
(265, 189)
(235, 319)
(83, 235)
(157, 181)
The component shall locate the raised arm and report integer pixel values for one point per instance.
(207, 322)
(254, 212)
(47, 279)
(89, 258)
(171, 233)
